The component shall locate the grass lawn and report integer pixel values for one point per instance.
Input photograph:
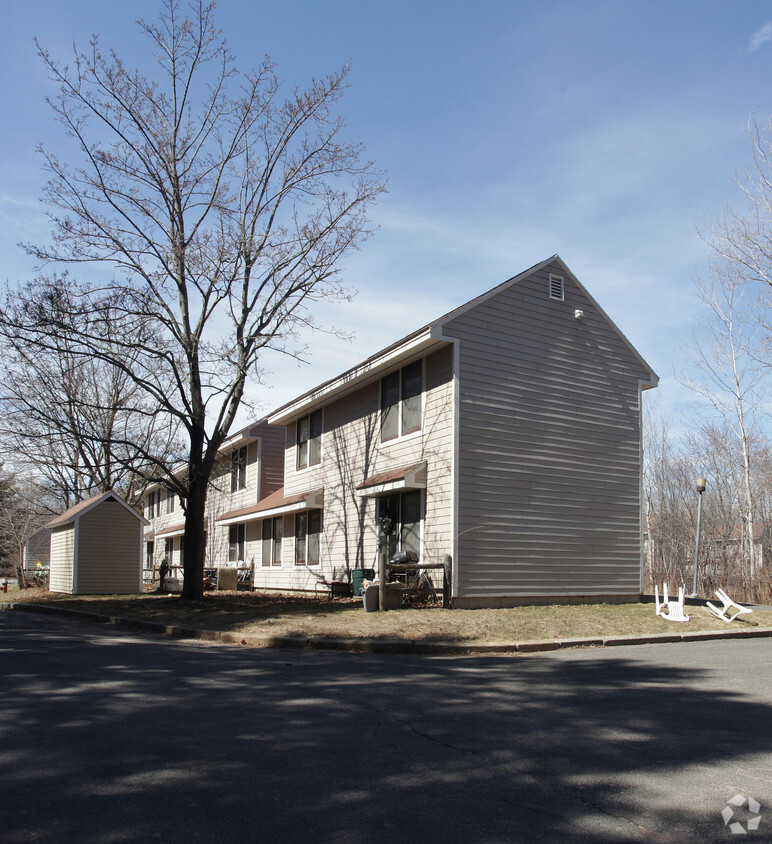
(276, 615)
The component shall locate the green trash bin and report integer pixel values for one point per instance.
(358, 576)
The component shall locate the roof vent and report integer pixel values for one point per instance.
(556, 288)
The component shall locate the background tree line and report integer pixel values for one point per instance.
(208, 208)
(726, 434)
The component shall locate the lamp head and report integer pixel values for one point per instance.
(701, 484)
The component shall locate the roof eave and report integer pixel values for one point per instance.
(312, 501)
(369, 370)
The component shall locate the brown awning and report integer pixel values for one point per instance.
(393, 480)
(274, 505)
(172, 530)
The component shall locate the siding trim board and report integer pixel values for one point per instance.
(456, 467)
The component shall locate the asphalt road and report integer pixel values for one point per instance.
(109, 736)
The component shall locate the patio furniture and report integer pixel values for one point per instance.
(729, 605)
(671, 610)
(338, 588)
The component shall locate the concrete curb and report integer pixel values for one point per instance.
(393, 646)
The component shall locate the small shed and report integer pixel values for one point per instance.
(96, 548)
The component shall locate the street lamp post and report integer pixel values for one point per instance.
(701, 483)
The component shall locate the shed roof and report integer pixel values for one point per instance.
(77, 510)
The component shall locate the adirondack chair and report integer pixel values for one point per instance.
(729, 605)
(675, 609)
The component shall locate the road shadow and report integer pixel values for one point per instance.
(114, 736)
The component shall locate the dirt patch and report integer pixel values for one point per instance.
(263, 614)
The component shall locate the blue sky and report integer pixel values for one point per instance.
(510, 131)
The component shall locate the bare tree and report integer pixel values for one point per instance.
(742, 235)
(23, 511)
(80, 424)
(224, 209)
(731, 379)
(668, 517)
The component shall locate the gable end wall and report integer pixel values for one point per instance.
(548, 448)
(109, 551)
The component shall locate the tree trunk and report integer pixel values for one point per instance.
(195, 542)
(199, 470)
(21, 578)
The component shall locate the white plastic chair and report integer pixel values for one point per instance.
(675, 609)
(729, 605)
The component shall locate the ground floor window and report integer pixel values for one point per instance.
(399, 522)
(148, 555)
(308, 528)
(236, 543)
(169, 550)
(273, 531)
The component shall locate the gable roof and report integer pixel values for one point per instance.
(418, 343)
(77, 510)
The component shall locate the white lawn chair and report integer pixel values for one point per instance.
(729, 605)
(675, 609)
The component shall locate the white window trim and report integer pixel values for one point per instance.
(401, 438)
(235, 472)
(309, 466)
(306, 564)
(271, 566)
(241, 526)
(422, 522)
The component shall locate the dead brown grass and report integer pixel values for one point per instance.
(276, 615)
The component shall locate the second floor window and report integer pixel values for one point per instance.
(309, 440)
(401, 401)
(239, 469)
(170, 496)
(153, 507)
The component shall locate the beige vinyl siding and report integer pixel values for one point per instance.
(549, 447)
(61, 563)
(265, 461)
(109, 551)
(352, 452)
